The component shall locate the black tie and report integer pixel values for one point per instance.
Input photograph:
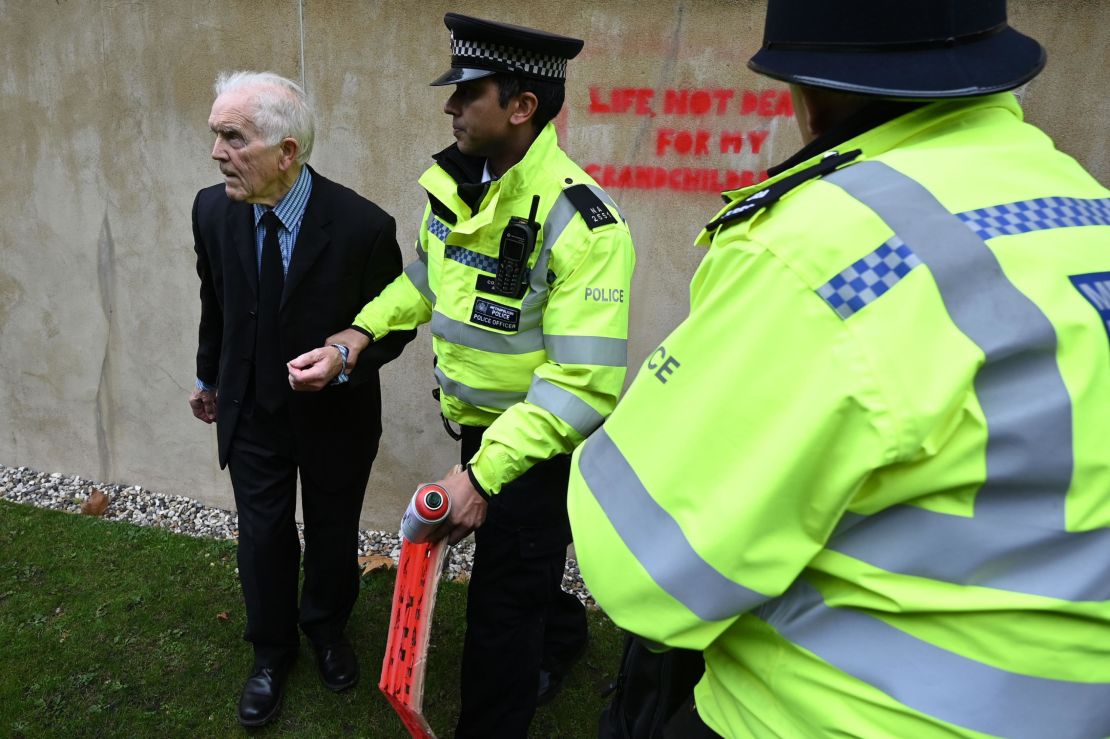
(270, 374)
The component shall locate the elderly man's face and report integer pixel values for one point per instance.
(250, 166)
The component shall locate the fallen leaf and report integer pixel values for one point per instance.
(96, 504)
(376, 562)
(223, 616)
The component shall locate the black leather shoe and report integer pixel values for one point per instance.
(261, 697)
(338, 665)
(551, 681)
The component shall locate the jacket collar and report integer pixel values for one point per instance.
(869, 117)
(290, 209)
(454, 171)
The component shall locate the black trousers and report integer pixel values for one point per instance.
(687, 724)
(518, 618)
(264, 465)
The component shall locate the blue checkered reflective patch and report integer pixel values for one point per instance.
(869, 277)
(438, 228)
(876, 273)
(471, 259)
(1035, 215)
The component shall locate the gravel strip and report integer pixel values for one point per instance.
(180, 515)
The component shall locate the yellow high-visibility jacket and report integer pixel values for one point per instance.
(869, 474)
(543, 370)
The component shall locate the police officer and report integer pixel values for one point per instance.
(524, 268)
(868, 476)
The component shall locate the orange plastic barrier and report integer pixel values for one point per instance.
(410, 623)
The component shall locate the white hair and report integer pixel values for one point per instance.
(280, 105)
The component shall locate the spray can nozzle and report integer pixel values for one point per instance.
(428, 508)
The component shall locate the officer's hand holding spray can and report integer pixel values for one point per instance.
(426, 511)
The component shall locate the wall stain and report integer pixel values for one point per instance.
(173, 379)
(11, 292)
(666, 77)
(105, 391)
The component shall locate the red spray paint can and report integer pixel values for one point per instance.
(426, 511)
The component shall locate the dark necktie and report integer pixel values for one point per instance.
(270, 374)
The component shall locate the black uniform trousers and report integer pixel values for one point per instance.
(687, 724)
(518, 618)
(264, 463)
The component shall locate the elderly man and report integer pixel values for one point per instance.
(868, 475)
(285, 257)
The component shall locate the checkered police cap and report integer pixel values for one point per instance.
(480, 48)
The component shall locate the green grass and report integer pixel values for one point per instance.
(111, 629)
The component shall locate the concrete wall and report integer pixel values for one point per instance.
(103, 106)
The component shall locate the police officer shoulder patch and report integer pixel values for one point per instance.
(770, 194)
(590, 206)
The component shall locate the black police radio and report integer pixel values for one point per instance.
(518, 240)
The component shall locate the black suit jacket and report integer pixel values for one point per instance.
(345, 254)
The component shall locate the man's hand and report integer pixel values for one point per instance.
(468, 508)
(314, 369)
(203, 404)
(355, 341)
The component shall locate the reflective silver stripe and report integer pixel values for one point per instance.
(476, 337)
(597, 350)
(655, 539)
(564, 404)
(531, 316)
(558, 218)
(499, 399)
(537, 280)
(935, 681)
(1019, 510)
(418, 274)
(985, 551)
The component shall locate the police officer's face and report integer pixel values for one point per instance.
(480, 124)
(252, 168)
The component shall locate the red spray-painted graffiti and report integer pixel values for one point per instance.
(711, 105)
(686, 179)
(696, 102)
(697, 142)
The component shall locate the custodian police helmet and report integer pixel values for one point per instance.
(897, 48)
(480, 48)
